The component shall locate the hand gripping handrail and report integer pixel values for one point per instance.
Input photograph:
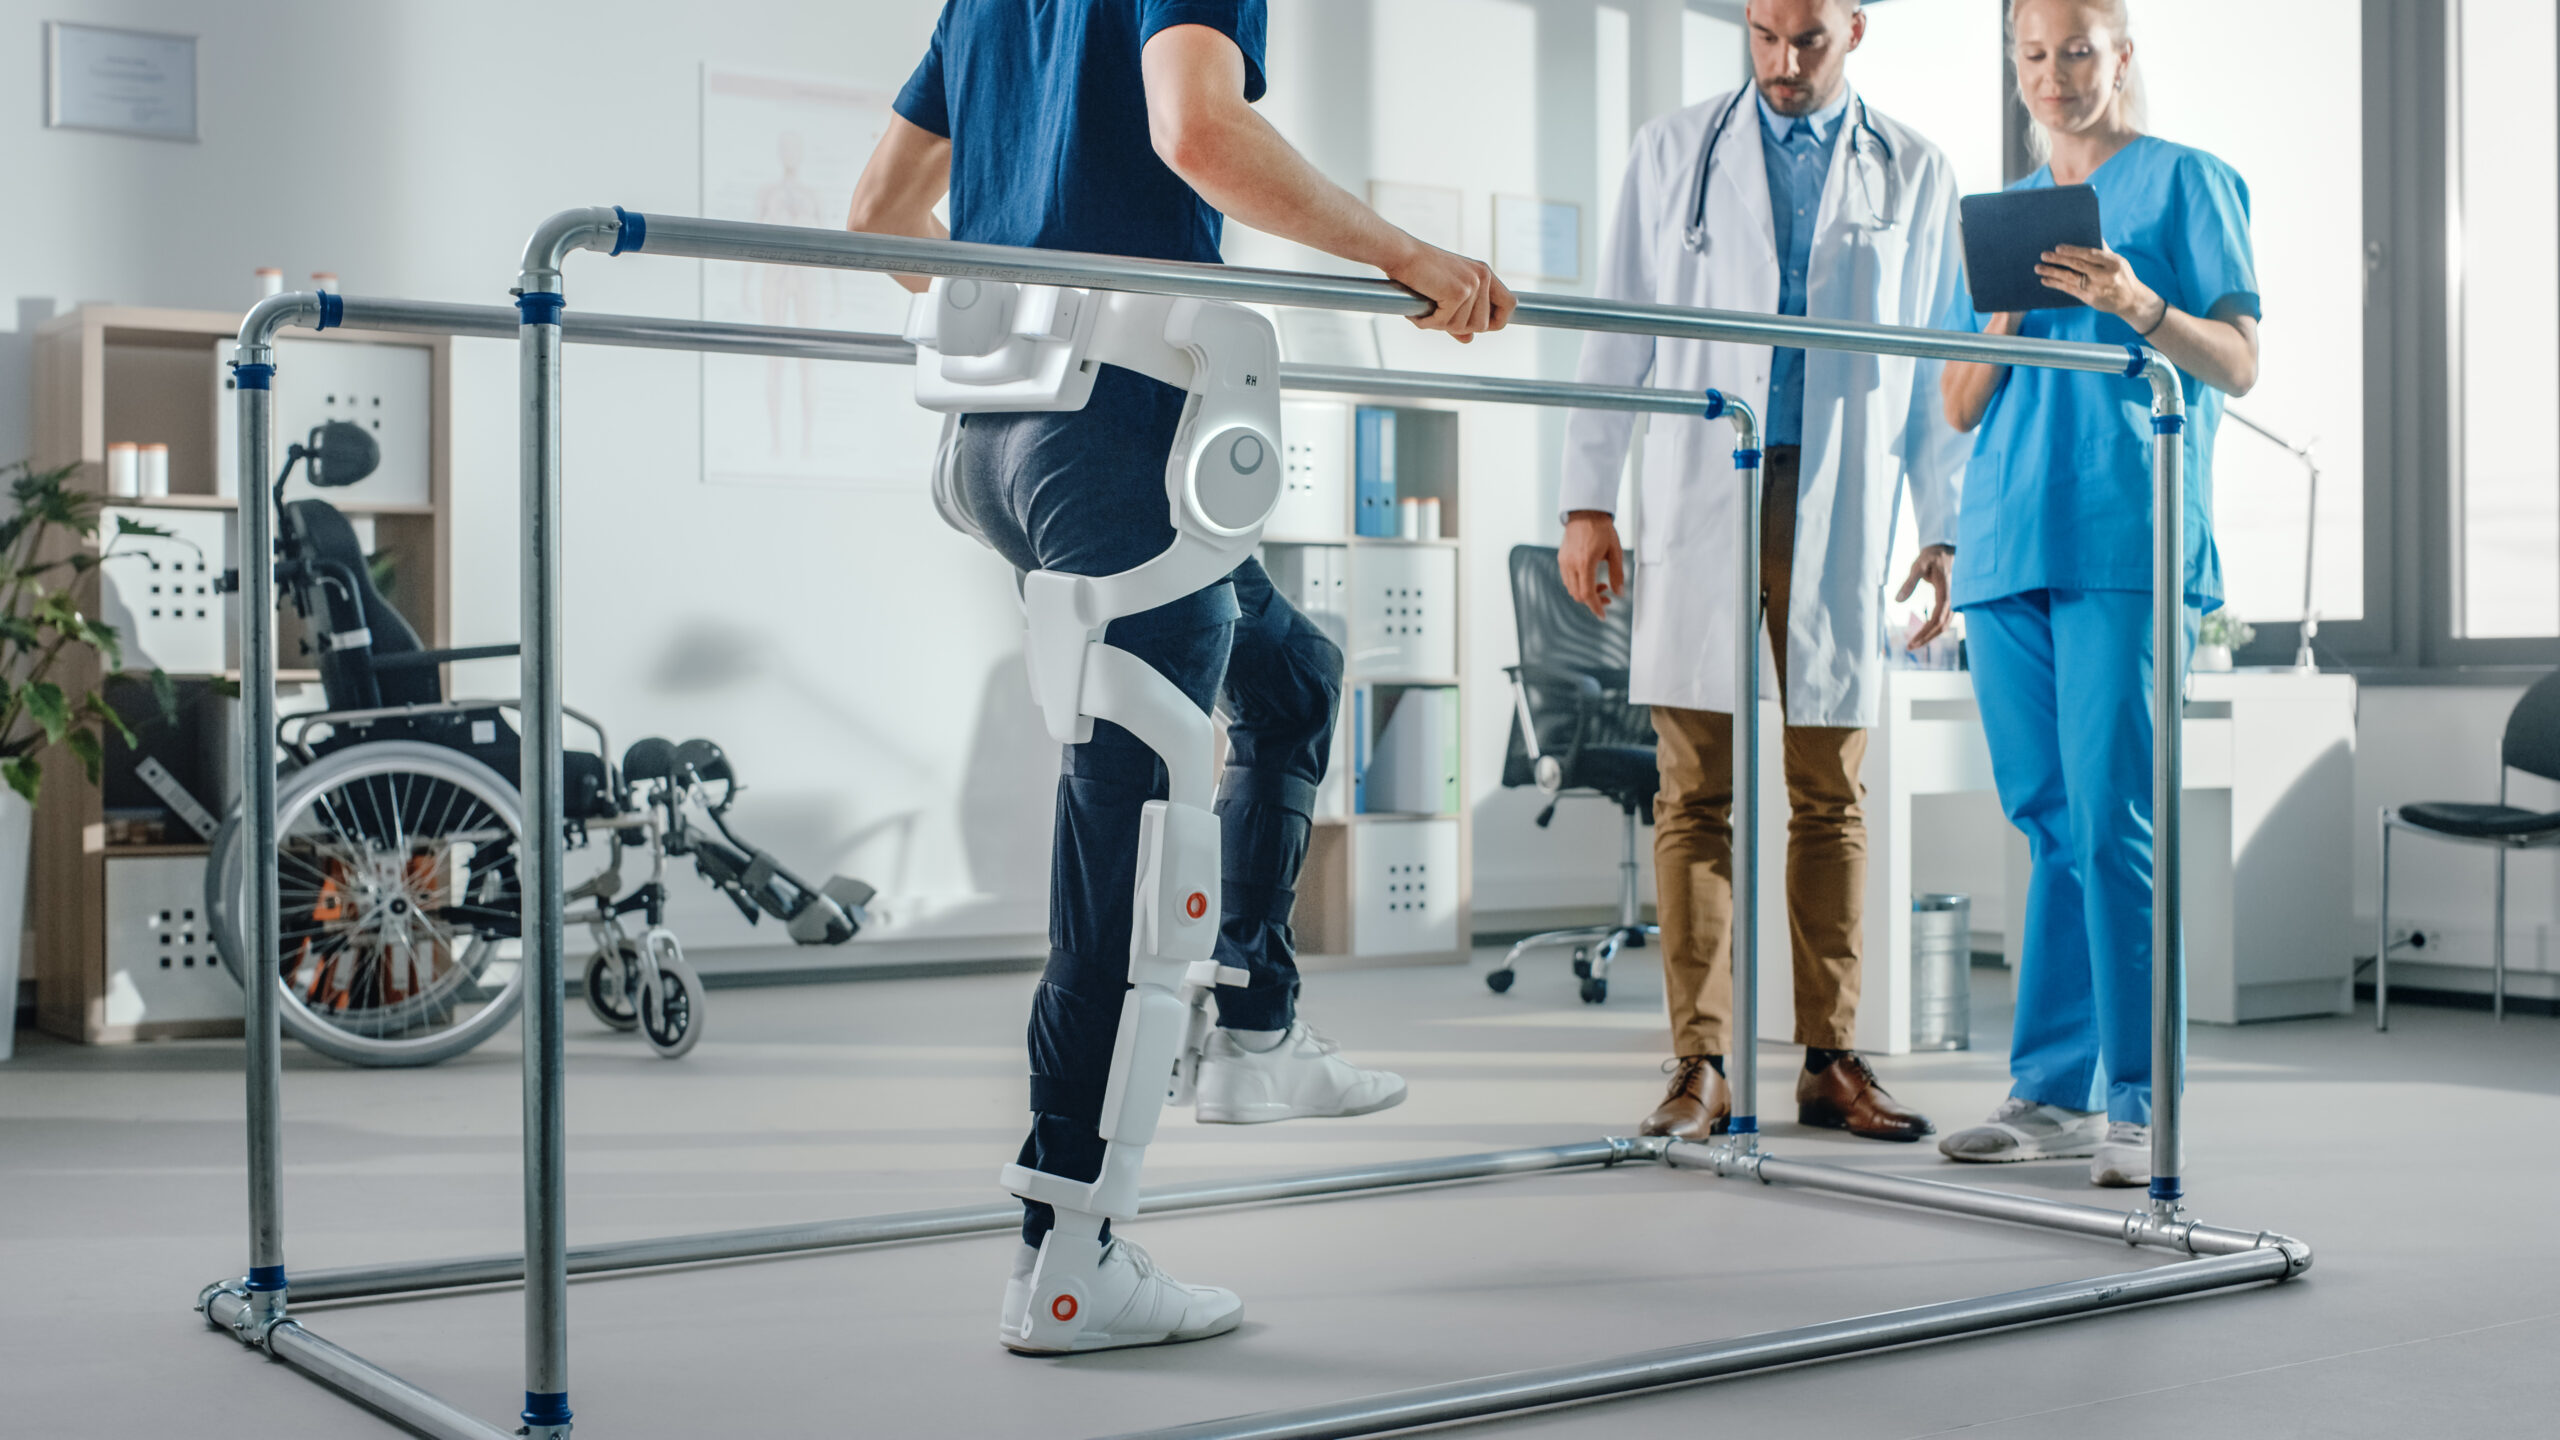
(254, 1308)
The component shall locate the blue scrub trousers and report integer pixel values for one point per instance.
(2063, 678)
(1083, 492)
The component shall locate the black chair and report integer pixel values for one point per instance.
(1573, 732)
(2532, 745)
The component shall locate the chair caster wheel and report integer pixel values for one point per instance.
(1635, 940)
(1582, 961)
(1497, 981)
(1594, 990)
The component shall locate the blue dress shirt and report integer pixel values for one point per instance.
(1798, 151)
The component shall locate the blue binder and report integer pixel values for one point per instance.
(1373, 472)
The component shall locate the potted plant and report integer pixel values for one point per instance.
(2222, 633)
(45, 562)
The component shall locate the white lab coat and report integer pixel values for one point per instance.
(1869, 420)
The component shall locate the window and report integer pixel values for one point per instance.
(1713, 56)
(2505, 350)
(2306, 221)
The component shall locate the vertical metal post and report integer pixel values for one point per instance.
(2168, 774)
(546, 1219)
(2382, 936)
(1744, 1064)
(2498, 945)
(264, 1060)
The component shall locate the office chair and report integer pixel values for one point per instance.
(2532, 745)
(1574, 732)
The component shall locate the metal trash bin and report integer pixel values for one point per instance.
(1942, 972)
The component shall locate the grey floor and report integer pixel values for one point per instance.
(2420, 1165)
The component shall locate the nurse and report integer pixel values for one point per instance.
(2053, 573)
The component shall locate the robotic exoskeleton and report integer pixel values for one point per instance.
(998, 346)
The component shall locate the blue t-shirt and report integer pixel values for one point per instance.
(2058, 493)
(1046, 110)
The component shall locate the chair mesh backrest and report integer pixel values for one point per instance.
(2533, 730)
(1556, 632)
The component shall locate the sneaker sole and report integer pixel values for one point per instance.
(1207, 1115)
(2012, 1157)
(1224, 1327)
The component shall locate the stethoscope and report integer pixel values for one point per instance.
(1877, 219)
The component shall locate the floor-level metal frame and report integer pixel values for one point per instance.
(253, 1307)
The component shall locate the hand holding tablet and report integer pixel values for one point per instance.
(2007, 235)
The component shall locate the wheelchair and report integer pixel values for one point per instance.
(400, 826)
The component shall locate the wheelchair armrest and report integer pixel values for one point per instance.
(421, 659)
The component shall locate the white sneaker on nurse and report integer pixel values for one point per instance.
(2025, 1130)
(1301, 1077)
(1126, 1301)
(2123, 1160)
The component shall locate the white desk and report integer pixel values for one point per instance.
(2269, 841)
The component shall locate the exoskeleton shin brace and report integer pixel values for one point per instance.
(996, 346)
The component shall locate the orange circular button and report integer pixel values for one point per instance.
(1064, 1307)
(1196, 906)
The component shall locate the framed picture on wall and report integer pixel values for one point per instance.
(785, 150)
(1538, 239)
(125, 82)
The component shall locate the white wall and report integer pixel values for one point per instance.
(410, 147)
(387, 141)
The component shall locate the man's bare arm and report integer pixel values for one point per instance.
(1206, 133)
(907, 176)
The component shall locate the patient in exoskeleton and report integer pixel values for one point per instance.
(1156, 487)
(1123, 451)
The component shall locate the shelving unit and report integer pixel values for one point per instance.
(120, 948)
(1380, 884)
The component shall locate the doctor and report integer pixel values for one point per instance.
(1791, 196)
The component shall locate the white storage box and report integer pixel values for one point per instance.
(1406, 892)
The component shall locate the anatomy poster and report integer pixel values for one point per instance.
(785, 150)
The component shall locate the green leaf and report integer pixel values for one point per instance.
(224, 686)
(47, 706)
(23, 775)
(84, 743)
(127, 525)
(107, 716)
(102, 637)
(164, 693)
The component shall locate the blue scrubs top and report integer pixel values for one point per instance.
(2058, 493)
(1046, 110)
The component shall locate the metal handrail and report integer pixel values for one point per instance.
(254, 1309)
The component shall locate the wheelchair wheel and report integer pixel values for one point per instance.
(671, 1008)
(397, 881)
(613, 987)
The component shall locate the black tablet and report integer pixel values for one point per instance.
(2006, 234)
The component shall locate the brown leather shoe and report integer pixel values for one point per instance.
(1697, 1105)
(1847, 1096)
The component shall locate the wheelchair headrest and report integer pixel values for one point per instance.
(706, 760)
(649, 759)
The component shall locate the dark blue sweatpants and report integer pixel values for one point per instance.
(1083, 492)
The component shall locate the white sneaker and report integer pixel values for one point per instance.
(2124, 1157)
(2025, 1130)
(1126, 1301)
(1302, 1076)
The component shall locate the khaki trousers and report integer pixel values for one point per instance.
(1826, 838)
